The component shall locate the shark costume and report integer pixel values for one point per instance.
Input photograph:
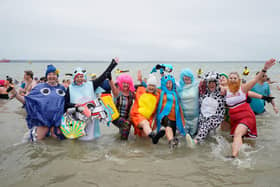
(188, 95)
(85, 93)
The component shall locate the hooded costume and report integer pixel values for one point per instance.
(85, 93)
(188, 95)
(169, 105)
(212, 107)
(144, 106)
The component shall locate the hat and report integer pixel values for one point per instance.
(223, 74)
(152, 80)
(51, 68)
(79, 71)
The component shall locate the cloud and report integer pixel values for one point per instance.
(139, 30)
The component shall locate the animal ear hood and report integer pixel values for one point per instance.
(164, 80)
(211, 76)
(79, 71)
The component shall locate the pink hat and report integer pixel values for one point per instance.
(127, 79)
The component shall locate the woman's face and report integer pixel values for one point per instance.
(223, 80)
(125, 86)
(52, 78)
(233, 78)
(151, 88)
(169, 85)
(212, 86)
(79, 79)
(187, 80)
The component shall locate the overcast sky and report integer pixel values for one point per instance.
(140, 30)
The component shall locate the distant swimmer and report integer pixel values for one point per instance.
(246, 71)
(199, 73)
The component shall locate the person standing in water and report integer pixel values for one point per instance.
(199, 73)
(212, 107)
(246, 71)
(123, 95)
(188, 97)
(243, 120)
(81, 92)
(263, 88)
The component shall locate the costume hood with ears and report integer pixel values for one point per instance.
(208, 77)
(171, 98)
(79, 71)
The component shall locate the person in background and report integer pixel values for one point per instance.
(199, 73)
(42, 80)
(29, 83)
(44, 105)
(246, 71)
(225, 125)
(263, 88)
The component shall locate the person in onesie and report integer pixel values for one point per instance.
(212, 107)
(144, 109)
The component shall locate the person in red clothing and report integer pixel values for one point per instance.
(243, 120)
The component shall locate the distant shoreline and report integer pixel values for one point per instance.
(146, 61)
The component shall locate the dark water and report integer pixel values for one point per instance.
(108, 161)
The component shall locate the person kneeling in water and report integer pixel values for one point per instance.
(144, 109)
(44, 106)
(169, 112)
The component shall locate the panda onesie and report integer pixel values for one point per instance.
(212, 106)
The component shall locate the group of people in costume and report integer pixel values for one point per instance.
(189, 107)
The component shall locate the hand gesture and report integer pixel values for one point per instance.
(116, 59)
(139, 75)
(268, 64)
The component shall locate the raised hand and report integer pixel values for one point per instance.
(116, 59)
(268, 64)
(139, 75)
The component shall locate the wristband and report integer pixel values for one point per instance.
(263, 70)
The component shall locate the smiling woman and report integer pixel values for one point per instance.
(44, 106)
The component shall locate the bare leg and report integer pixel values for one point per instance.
(145, 125)
(169, 133)
(41, 132)
(240, 131)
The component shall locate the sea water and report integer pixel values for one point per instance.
(107, 161)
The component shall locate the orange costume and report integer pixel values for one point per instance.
(144, 108)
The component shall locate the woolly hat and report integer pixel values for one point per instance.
(152, 80)
(51, 68)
